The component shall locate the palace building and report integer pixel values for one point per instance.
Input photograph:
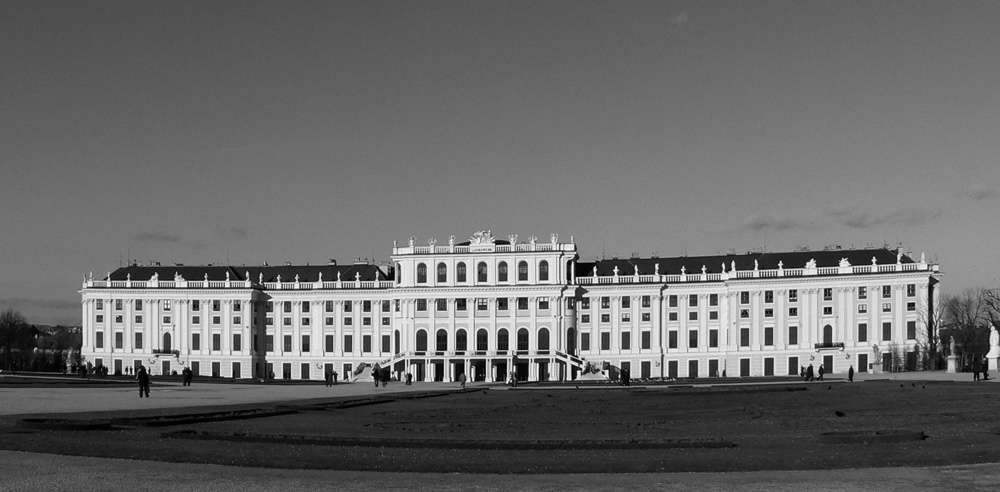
(490, 308)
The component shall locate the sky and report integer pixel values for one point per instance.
(233, 132)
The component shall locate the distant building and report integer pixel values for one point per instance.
(486, 306)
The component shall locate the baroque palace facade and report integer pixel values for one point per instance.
(491, 308)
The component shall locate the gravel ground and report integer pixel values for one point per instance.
(28, 472)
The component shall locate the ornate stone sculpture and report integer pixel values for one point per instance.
(482, 237)
(844, 263)
(951, 347)
(554, 238)
(413, 240)
(994, 343)
(811, 264)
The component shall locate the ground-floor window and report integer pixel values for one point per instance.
(744, 367)
(793, 366)
(769, 366)
(692, 368)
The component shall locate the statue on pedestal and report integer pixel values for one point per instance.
(994, 343)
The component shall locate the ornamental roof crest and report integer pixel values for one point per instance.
(482, 237)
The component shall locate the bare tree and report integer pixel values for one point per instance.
(14, 334)
(930, 346)
(965, 316)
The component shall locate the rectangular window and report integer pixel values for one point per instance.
(713, 300)
(585, 341)
(645, 341)
(862, 308)
(118, 304)
(886, 331)
(911, 330)
(693, 339)
(421, 305)
(605, 303)
(543, 303)
(385, 321)
(99, 318)
(166, 304)
(269, 307)
(99, 305)
(366, 306)
(585, 303)
(744, 297)
(138, 318)
(911, 306)
(828, 294)
(216, 305)
(522, 303)
(886, 307)
(793, 295)
(626, 318)
(366, 321)
(672, 339)
(119, 340)
(605, 318)
(768, 296)
(713, 338)
(646, 316)
(585, 318)
(862, 332)
(286, 342)
(626, 302)
(328, 321)
(692, 301)
(744, 337)
(769, 313)
(328, 306)
(237, 320)
(441, 304)
(645, 301)
(269, 343)
(605, 341)
(286, 321)
(195, 341)
(482, 304)
(385, 306)
(693, 316)
(911, 290)
(768, 336)
(713, 315)
(744, 313)
(99, 339)
(328, 343)
(238, 306)
(237, 342)
(216, 341)
(348, 344)
(672, 301)
(793, 335)
(138, 341)
(793, 366)
(463, 304)
(793, 311)
(118, 318)
(386, 344)
(138, 304)
(862, 292)
(348, 321)
(886, 291)
(166, 320)
(626, 340)
(672, 316)
(216, 320)
(827, 310)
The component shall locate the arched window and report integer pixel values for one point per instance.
(442, 272)
(522, 271)
(571, 341)
(828, 334)
(460, 272)
(482, 340)
(166, 341)
(522, 339)
(397, 342)
(543, 339)
(502, 272)
(421, 273)
(398, 274)
(421, 341)
(543, 270)
(461, 341)
(481, 272)
(503, 341)
(442, 340)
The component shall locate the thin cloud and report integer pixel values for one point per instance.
(680, 19)
(22, 302)
(158, 237)
(980, 193)
(863, 219)
(770, 223)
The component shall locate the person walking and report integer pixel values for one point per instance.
(376, 373)
(820, 378)
(850, 375)
(143, 378)
(188, 375)
(975, 368)
(461, 380)
(809, 373)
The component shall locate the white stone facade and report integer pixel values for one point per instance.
(486, 306)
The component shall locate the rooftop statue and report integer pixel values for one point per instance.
(512, 238)
(811, 264)
(413, 240)
(703, 270)
(844, 263)
(554, 238)
(781, 265)
(482, 237)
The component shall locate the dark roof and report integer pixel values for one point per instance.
(306, 273)
(713, 264)
(469, 243)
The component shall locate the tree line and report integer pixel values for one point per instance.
(967, 317)
(25, 346)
